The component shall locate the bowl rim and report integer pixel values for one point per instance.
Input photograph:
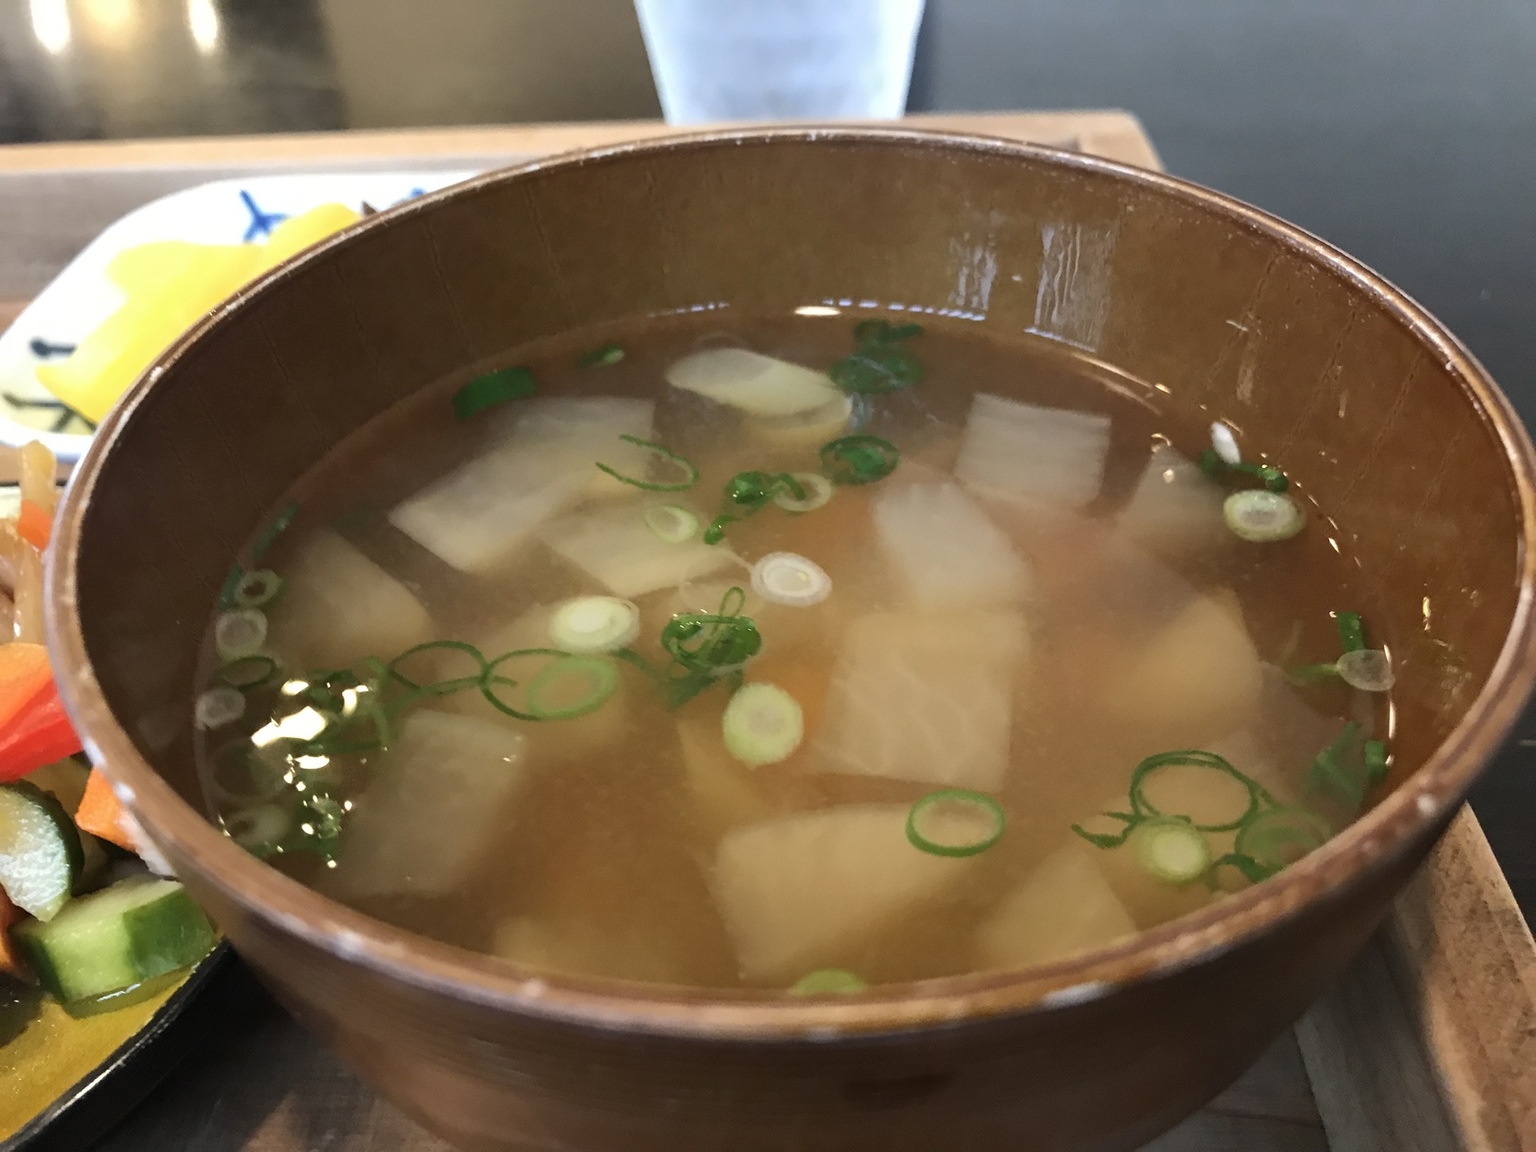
(1418, 808)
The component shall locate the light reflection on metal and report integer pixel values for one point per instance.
(50, 25)
(203, 23)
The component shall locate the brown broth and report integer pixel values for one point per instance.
(604, 863)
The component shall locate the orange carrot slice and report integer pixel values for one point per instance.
(34, 525)
(24, 672)
(101, 813)
(10, 957)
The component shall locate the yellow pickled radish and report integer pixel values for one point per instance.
(168, 285)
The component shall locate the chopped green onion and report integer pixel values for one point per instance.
(1143, 808)
(1367, 669)
(258, 588)
(878, 364)
(672, 523)
(791, 579)
(1305, 674)
(445, 686)
(491, 680)
(690, 474)
(273, 530)
(238, 633)
(827, 982)
(1351, 631)
(1377, 763)
(1172, 851)
(259, 830)
(248, 672)
(1212, 463)
(587, 625)
(714, 643)
(604, 357)
(1281, 836)
(493, 389)
(859, 459)
(592, 680)
(763, 724)
(1251, 869)
(955, 822)
(218, 706)
(242, 776)
(1261, 516)
(716, 530)
(1329, 773)
(818, 491)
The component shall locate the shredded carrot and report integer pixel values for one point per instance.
(35, 525)
(24, 672)
(101, 813)
(10, 958)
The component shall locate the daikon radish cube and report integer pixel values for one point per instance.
(946, 550)
(433, 808)
(578, 432)
(614, 545)
(1046, 454)
(1197, 678)
(1176, 508)
(924, 697)
(339, 606)
(801, 892)
(1063, 908)
(724, 793)
(478, 516)
(752, 383)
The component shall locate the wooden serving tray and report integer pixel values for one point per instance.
(1428, 1044)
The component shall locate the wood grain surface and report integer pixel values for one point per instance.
(1427, 1045)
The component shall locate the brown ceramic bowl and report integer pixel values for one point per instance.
(1352, 387)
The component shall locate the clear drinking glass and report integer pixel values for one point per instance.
(780, 59)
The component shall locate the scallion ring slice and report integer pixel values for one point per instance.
(672, 523)
(791, 579)
(1282, 836)
(218, 707)
(955, 822)
(571, 686)
(1261, 516)
(689, 477)
(493, 389)
(1143, 808)
(859, 459)
(828, 982)
(257, 588)
(248, 672)
(1351, 630)
(587, 625)
(241, 632)
(604, 357)
(442, 686)
(763, 724)
(1367, 669)
(261, 830)
(818, 491)
(1173, 851)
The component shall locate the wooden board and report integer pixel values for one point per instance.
(1428, 1044)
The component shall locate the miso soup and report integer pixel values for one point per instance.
(798, 653)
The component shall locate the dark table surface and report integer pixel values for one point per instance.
(1402, 130)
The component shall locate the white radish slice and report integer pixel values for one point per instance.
(752, 383)
(1176, 508)
(946, 550)
(616, 547)
(1045, 454)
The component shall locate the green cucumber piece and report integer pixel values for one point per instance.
(136, 930)
(40, 853)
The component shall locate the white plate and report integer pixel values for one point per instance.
(81, 297)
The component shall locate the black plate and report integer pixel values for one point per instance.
(217, 988)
